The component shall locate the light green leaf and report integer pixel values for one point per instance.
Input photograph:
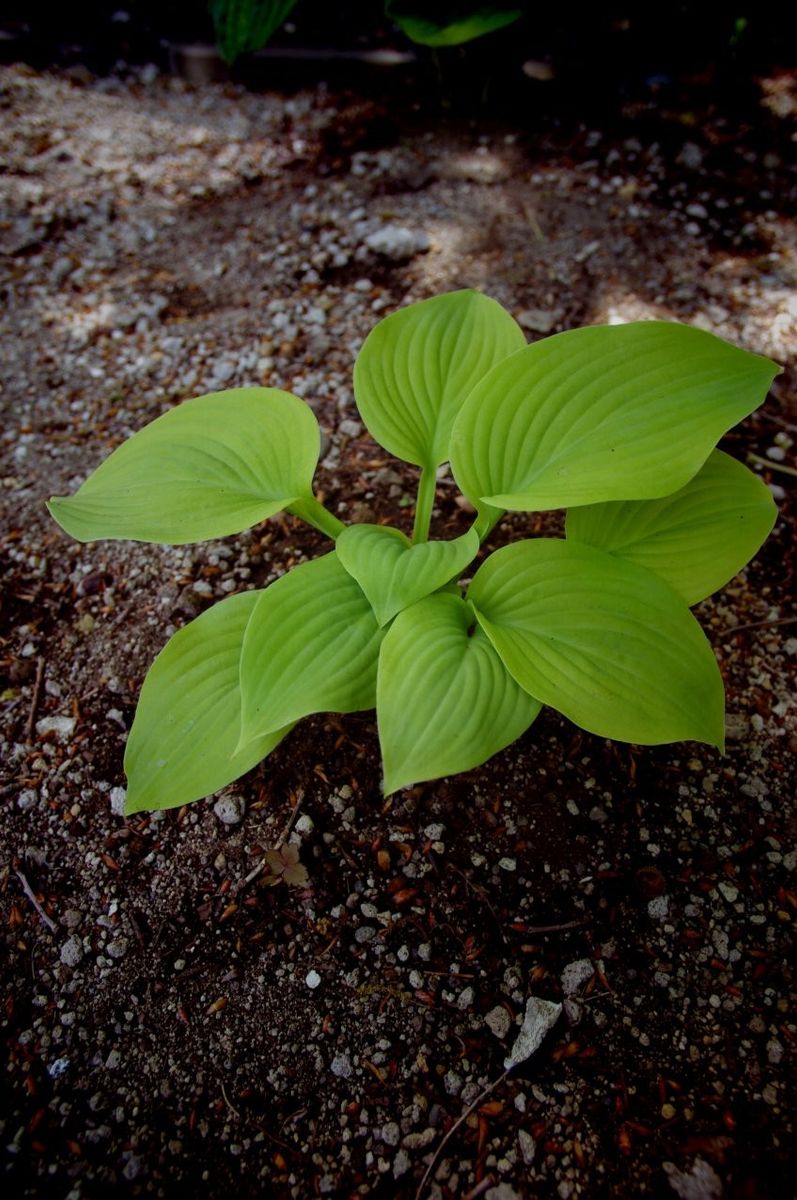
(395, 574)
(697, 538)
(612, 412)
(183, 742)
(417, 366)
(311, 646)
(445, 701)
(606, 642)
(210, 467)
(422, 23)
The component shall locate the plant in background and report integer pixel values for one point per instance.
(243, 26)
(443, 23)
(615, 424)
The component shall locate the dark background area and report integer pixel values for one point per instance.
(599, 54)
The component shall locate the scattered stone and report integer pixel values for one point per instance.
(501, 1191)
(62, 727)
(312, 979)
(118, 947)
(341, 1066)
(539, 1017)
(528, 1146)
(72, 951)
(538, 320)
(659, 907)
(574, 976)
(230, 809)
(498, 1021)
(401, 1164)
(700, 1182)
(117, 797)
(397, 243)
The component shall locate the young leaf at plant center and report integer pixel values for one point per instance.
(436, 24)
(417, 366)
(445, 701)
(697, 538)
(182, 745)
(246, 25)
(606, 642)
(395, 574)
(210, 467)
(612, 412)
(311, 646)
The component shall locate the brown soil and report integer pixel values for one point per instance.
(162, 1028)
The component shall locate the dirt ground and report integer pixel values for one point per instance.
(167, 1030)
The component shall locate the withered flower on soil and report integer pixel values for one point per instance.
(283, 866)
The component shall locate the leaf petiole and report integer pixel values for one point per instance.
(424, 505)
(313, 512)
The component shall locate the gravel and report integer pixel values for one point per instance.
(172, 1034)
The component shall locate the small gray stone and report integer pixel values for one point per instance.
(575, 974)
(230, 809)
(72, 951)
(539, 1017)
(391, 1134)
(659, 907)
(401, 1164)
(341, 1066)
(396, 243)
(528, 1147)
(118, 795)
(498, 1021)
(62, 727)
(118, 947)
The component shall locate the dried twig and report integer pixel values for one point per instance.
(759, 625)
(557, 928)
(459, 1121)
(773, 466)
(28, 890)
(34, 701)
(280, 842)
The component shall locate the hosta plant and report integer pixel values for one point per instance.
(615, 424)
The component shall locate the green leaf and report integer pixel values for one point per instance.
(445, 701)
(417, 366)
(210, 467)
(697, 538)
(395, 574)
(612, 412)
(445, 24)
(606, 642)
(245, 25)
(311, 646)
(183, 742)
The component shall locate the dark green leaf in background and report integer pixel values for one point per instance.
(245, 25)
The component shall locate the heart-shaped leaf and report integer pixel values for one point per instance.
(210, 467)
(608, 643)
(182, 745)
(697, 538)
(612, 412)
(471, 20)
(395, 574)
(445, 701)
(311, 646)
(417, 366)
